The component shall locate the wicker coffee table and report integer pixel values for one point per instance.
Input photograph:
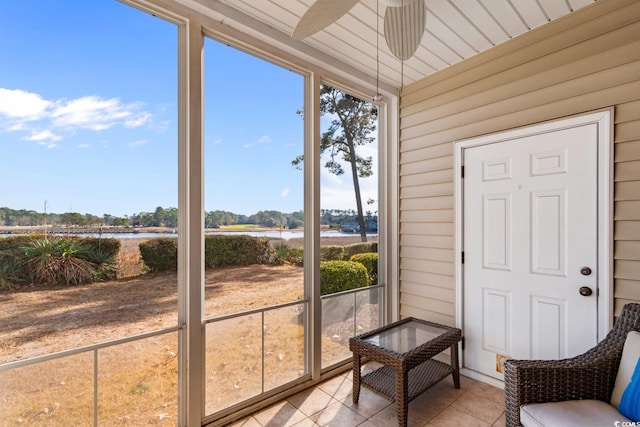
(405, 348)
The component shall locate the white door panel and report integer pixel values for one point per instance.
(548, 232)
(530, 224)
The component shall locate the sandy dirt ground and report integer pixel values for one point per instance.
(35, 321)
(39, 320)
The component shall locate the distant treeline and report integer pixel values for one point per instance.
(168, 217)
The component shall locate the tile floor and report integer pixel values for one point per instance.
(330, 404)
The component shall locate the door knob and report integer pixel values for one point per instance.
(585, 291)
(585, 271)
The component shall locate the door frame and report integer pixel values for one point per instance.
(604, 121)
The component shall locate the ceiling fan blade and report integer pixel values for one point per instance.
(320, 15)
(396, 3)
(404, 28)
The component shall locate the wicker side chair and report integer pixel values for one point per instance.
(590, 375)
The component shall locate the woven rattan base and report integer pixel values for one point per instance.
(383, 380)
(405, 349)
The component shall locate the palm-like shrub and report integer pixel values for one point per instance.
(281, 254)
(58, 260)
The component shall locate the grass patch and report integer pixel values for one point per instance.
(240, 227)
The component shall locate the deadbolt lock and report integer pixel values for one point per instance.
(585, 271)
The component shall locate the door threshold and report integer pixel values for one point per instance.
(475, 375)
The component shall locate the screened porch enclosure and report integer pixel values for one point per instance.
(483, 67)
(265, 346)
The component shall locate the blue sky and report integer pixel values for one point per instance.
(88, 117)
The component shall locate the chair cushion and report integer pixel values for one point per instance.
(630, 402)
(569, 413)
(630, 355)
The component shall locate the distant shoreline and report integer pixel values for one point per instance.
(22, 230)
(338, 240)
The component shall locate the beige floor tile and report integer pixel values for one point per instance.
(338, 387)
(307, 422)
(246, 422)
(480, 406)
(429, 405)
(484, 389)
(453, 417)
(311, 401)
(475, 404)
(369, 403)
(389, 417)
(443, 392)
(281, 414)
(337, 415)
(502, 421)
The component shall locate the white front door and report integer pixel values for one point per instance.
(530, 244)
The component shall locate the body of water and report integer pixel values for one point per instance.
(285, 234)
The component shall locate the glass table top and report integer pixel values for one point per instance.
(405, 337)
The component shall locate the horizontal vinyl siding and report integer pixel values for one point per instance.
(586, 61)
(627, 204)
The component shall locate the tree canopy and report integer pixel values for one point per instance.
(168, 217)
(353, 124)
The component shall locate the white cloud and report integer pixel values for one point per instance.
(16, 127)
(285, 192)
(138, 120)
(90, 112)
(51, 120)
(43, 136)
(18, 104)
(84, 146)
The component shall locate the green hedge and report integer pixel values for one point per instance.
(370, 261)
(12, 271)
(358, 248)
(296, 257)
(338, 276)
(344, 253)
(12, 243)
(225, 250)
(222, 251)
(332, 253)
(160, 253)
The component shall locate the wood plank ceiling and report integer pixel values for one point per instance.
(455, 30)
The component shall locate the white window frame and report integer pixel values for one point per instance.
(192, 28)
